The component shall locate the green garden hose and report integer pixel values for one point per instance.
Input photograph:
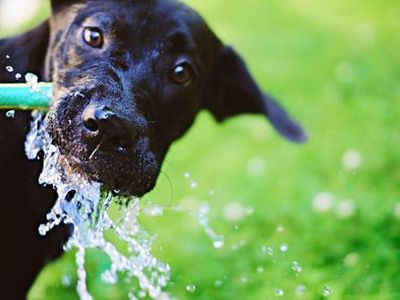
(24, 96)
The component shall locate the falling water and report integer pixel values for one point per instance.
(83, 205)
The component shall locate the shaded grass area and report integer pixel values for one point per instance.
(335, 65)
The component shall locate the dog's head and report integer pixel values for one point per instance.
(129, 78)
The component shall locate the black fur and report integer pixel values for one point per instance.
(115, 109)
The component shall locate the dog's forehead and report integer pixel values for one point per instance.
(136, 19)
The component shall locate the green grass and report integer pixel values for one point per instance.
(335, 65)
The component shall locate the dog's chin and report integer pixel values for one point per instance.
(122, 176)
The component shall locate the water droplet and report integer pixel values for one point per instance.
(323, 202)
(193, 184)
(218, 244)
(351, 160)
(260, 270)
(300, 289)
(345, 209)
(8, 56)
(279, 292)
(9, 69)
(284, 248)
(187, 175)
(191, 288)
(266, 249)
(280, 228)
(32, 81)
(244, 279)
(236, 227)
(154, 210)
(42, 230)
(218, 283)
(327, 291)
(249, 211)
(233, 211)
(296, 267)
(10, 114)
(66, 280)
(18, 76)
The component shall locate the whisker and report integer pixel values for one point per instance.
(95, 150)
(171, 187)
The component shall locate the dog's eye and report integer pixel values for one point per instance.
(182, 74)
(93, 37)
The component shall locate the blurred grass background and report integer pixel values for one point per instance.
(333, 202)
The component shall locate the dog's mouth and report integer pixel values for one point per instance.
(126, 173)
(100, 145)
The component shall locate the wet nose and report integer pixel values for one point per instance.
(114, 129)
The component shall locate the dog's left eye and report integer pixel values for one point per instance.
(182, 73)
(93, 37)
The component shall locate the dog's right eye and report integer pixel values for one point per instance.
(93, 37)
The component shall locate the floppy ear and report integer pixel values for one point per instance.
(236, 92)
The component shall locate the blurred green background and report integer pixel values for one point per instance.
(332, 205)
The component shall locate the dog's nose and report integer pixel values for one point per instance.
(114, 130)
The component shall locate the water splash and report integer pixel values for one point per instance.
(202, 215)
(83, 204)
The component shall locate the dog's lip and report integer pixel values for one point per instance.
(86, 165)
(86, 170)
(75, 161)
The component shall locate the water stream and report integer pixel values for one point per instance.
(83, 205)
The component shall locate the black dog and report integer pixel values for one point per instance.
(129, 77)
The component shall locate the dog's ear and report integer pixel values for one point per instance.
(236, 92)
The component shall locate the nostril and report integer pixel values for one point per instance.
(97, 118)
(70, 195)
(91, 124)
